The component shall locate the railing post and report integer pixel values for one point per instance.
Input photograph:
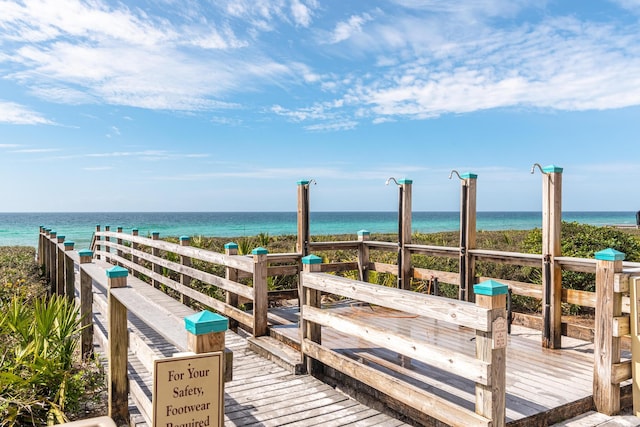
(551, 248)
(119, 241)
(206, 332)
(491, 347)
(60, 283)
(69, 271)
(86, 304)
(606, 394)
(107, 249)
(311, 297)
(185, 279)
(231, 248)
(96, 242)
(134, 247)
(155, 235)
(302, 245)
(363, 256)
(405, 254)
(118, 348)
(467, 235)
(53, 261)
(41, 248)
(260, 292)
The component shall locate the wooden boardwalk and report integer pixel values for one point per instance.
(261, 392)
(542, 384)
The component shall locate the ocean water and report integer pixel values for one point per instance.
(22, 228)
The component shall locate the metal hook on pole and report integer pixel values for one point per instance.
(456, 172)
(533, 168)
(312, 181)
(391, 179)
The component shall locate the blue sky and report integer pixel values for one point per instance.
(167, 105)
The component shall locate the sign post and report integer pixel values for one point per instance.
(188, 389)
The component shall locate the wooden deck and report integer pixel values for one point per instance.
(261, 392)
(542, 384)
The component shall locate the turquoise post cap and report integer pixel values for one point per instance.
(231, 245)
(134, 229)
(185, 238)
(116, 272)
(155, 233)
(53, 233)
(490, 288)
(405, 181)
(85, 252)
(469, 175)
(61, 236)
(69, 243)
(552, 169)
(205, 322)
(610, 255)
(311, 259)
(259, 251)
(303, 182)
(363, 233)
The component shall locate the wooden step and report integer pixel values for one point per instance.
(278, 352)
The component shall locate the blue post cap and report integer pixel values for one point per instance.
(61, 236)
(155, 233)
(405, 181)
(469, 175)
(185, 238)
(363, 233)
(259, 251)
(552, 169)
(311, 259)
(610, 255)
(69, 243)
(134, 229)
(85, 252)
(231, 245)
(205, 322)
(53, 233)
(116, 272)
(490, 288)
(303, 182)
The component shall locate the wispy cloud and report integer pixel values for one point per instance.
(36, 150)
(13, 113)
(345, 29)
(97, 168)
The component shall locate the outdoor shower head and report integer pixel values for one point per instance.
(391, 179)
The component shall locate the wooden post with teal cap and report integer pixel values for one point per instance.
(45, 252)
(40, 252)
(106, 248)
(310, 298)
(185, 279)
(260, 292)
(363, 255)
(86, 304)
(206, 332)
(60, 256)
(606, 346)
(551, 249)
(155, 235)
(118, 347)
(404, 269)
(95, 244)
(231, 249)
(468, 215)
(69, 271)
(302, 245)
(53, 261)
(119, 240)
(491, 347)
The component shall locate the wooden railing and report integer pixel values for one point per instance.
(487, 369)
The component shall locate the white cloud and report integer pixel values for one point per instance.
(345, 29)
(301, 13)
(36, 150)
(13, 113)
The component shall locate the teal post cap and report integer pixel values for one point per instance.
(610, 255)
(231, 245)
(311, 259)
(48, 230)
(116, 272)
(155, 233)
(405, 181)
(185, 238)
(205, 322)
(53, 233)
(490, 288)
(552, 169)
(134, 229)
(61, 236)
(69, 243)
(363, 233)
(85, 252)
(259, 251)
(303, 182)
(469, 175)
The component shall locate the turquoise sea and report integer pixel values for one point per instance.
(22, 228)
